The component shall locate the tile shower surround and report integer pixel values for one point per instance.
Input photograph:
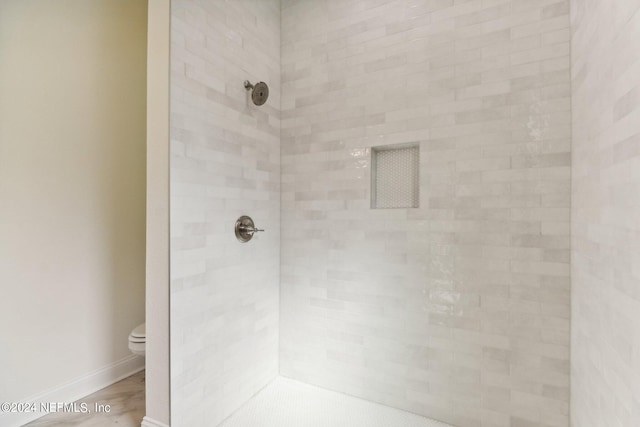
(225, 162)
(459, 309)
(605, 356)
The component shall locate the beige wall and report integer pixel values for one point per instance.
(72, 188)
(605, 323)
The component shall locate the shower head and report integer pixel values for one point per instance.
(259, 92)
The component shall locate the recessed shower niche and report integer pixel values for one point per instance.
(395, 177)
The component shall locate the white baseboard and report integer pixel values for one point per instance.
(148, 422)
(76, 389)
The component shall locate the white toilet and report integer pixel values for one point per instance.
(138, 340)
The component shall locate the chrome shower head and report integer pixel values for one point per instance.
(259, 92)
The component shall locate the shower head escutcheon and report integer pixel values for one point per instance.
(259, 92)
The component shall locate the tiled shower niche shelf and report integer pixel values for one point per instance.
(395, 176)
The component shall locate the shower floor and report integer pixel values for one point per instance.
(288, 403)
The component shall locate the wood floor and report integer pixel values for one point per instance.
(125, 400)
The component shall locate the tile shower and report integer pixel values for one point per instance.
(450, 301)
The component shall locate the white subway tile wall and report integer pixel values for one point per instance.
(605, 354)
(457, 310)
(225, 162)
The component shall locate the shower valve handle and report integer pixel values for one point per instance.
(249, 229)
(245, 229)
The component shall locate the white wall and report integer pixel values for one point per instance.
(72, 188)
(157, 286)
(459, 309)
(605, 331)
(225, 162)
